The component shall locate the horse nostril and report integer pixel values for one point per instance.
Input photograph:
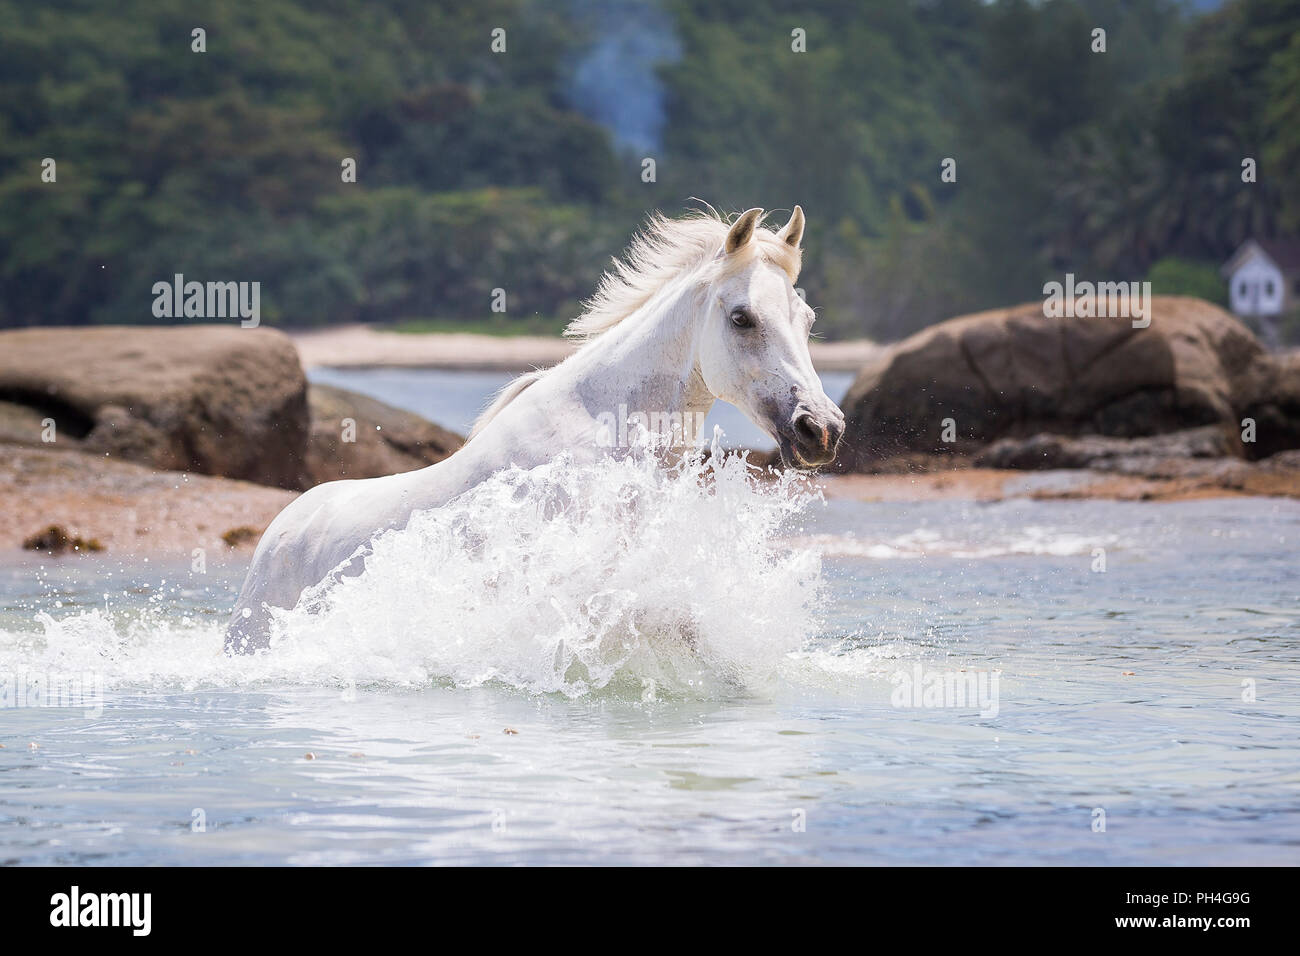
(811, 431)
(836, 429)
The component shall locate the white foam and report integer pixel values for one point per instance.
(925, 542)
(566, 578)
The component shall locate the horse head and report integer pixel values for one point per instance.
(753, 346)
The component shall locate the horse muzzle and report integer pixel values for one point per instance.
(810, 438)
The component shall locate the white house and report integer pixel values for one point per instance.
(1264, 277)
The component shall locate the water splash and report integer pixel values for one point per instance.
(623, 576)
(574, 577)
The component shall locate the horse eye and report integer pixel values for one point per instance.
(742, 319)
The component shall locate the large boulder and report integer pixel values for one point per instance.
(213, 400)
(216, 400)
(1014, 373)
(355, 436)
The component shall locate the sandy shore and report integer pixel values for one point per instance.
(360, 345)
(136, 511)
(988, 484)
(129, 509)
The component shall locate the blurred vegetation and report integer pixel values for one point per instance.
(479, 171)
(499, 324)
(1174, 276)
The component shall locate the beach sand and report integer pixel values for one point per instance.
(352, 346)
(129, 509)
(136, 511)
(988, 484)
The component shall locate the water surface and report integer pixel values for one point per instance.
(672, 674)
(1119, 691)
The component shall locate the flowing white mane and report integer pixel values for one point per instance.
(665, 249)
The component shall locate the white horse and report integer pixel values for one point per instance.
(700, 309)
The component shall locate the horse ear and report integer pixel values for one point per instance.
(742, 230)
(792, 231)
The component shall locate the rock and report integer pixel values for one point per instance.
(1045, 451)
(241, 536)
(388, 440)
(19, 424)
(1272, 400)
(1014, 373)
(55, 539)
(214, 400)
(1283, 459)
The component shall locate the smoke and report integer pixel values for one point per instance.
(614, 83)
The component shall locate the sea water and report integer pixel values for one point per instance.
(619, 664)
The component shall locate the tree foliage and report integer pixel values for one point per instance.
(478, 170)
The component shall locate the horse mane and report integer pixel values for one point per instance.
(661, 251)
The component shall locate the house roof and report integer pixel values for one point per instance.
(1284, 253)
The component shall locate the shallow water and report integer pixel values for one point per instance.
(1118, 691)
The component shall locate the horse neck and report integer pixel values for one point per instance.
(649, 361)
